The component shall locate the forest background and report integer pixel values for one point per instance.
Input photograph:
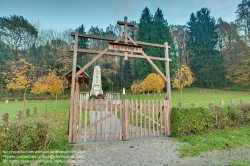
(216, 51)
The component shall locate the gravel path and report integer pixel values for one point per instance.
(160, 151)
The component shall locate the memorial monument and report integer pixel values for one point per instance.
(97, 82)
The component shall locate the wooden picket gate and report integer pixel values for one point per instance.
(107, 120)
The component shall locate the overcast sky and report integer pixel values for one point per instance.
(64, 14)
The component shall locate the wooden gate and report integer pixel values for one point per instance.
(107, 120)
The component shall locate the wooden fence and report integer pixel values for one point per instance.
(104, 120)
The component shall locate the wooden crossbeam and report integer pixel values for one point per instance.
(113, 39)
(119, 54)
(124, 23)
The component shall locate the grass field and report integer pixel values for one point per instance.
(190, 95)
(197, 96)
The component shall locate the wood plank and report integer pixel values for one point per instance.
(136, 117)
(157, 112)
(111, 111)
(75, 121)
(85, 121)
(165, 116)
(149, 129)
(153, 116)
(121, 120)
(80, 122)
(168, 97)
(106, 122)
(124, 47)
(113, 39)
(100, 109)
(72, 93)
(145, 124)
(116, 118)
(132, 112)
(96, 123)
(90, 112)
(141, 118)
(120, 54)
(161, 115)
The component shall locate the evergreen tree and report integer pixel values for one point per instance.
(154, 29)
(205, 61)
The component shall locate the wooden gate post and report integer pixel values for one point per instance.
(125, 120)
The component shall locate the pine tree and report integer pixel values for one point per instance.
(205, 61)
(154, 29)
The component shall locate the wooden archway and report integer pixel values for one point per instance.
(126, 44)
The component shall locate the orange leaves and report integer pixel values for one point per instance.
(184, 77)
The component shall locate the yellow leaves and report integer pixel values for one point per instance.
(48, 84)
(153, 82)
(136, 87)
(184, 77)
(20, 75)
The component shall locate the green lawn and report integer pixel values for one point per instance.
(12, 107)
(197, 96)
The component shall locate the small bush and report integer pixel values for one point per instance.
(26, 135)
(187, 121)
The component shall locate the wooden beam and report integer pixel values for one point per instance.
(72, 94)
(155, 67)
(123, 23)
(112, 39)
(168, 97)
(96, 58)
(119, 54)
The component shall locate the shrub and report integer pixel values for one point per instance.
(26, 135)
(187, 121)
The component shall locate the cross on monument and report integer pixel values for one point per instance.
(126, 24)
(96, 75)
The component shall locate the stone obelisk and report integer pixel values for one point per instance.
(97, 82)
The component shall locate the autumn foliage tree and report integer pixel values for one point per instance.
(153, 82)
(51, 83)
(136, 87)
(184, 77)
(20, 77)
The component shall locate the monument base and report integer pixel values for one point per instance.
(96, 92)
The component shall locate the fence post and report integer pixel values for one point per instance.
(125, 121)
